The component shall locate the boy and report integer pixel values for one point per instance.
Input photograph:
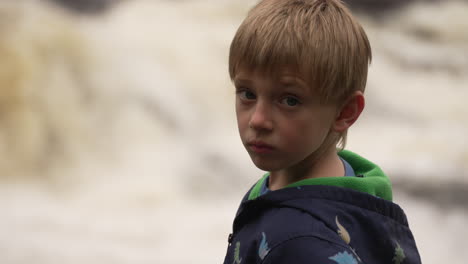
(300, 69)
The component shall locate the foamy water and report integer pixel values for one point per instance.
(120, 140)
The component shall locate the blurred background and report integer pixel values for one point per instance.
(119, 142)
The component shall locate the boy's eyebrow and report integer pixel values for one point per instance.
(241, 80)
(292, 79)
(295, 81)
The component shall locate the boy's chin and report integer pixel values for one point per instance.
(266, 165)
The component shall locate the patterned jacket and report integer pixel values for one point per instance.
(324, 222)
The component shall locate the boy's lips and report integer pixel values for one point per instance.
(259, 147)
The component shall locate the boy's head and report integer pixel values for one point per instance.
(317, 41)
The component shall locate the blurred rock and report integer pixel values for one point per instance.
(86, 6)
(377, 7)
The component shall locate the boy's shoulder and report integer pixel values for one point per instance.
(272, 233)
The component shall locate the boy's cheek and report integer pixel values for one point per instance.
(242, 122)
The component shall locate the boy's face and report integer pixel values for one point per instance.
(281, 121)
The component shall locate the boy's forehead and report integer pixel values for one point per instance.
(283, 74)
(279, 81)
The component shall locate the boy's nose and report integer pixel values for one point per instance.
(261, 117)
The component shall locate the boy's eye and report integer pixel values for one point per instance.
(290, 101)
(249, 95)
(245, 94)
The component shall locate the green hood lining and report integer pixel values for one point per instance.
(373, 182)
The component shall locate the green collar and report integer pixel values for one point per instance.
(373, 182)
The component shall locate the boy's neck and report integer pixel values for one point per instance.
(328, 165)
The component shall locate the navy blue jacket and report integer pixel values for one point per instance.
(320, 224)
(344, 220)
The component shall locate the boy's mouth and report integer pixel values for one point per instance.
(259, 147)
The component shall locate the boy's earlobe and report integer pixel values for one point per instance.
(349, 112)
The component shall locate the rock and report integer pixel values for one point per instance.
(377, 7)
(86, 6)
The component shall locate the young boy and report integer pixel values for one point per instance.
(300, 69)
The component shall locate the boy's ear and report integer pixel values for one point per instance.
(349, 112)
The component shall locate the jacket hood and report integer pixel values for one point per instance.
(370, 179)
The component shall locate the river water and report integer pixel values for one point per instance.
(119, 140)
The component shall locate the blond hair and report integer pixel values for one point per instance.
(318, 39)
